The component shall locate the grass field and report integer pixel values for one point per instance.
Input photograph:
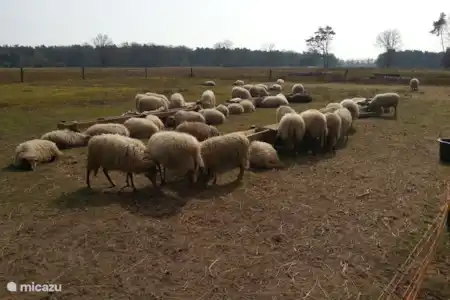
(328, 228)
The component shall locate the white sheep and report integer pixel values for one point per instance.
(239, 83)
(316, 129)
(247, 86)
(28, 154)
(223, 153)
(177, 101)
(162, 96)
(235, 109)
(200, 131)
(382, 102)
(414, 84)
(258, 91)
(151, 102)
(113, 152)
(282, 110)
(102, 128)
(141, 127)
(291, 130)
(175, 150)
(346, 123)
(334, 106)
(263, 155)
(352, 107)
(65, 138)
(240, 92)
(298, 88)
(234, 100)
(223, 109)
(276, 87)
(209, 83)
(334, 124)
(248, 106)
(263, 85)
(271, 101)
(213, 116)
(158, 122)
(191, 116)
(280, 81)
(207, 99)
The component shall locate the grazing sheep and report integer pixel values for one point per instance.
(223, 109)
(239, 83)
(209, 83)
(207, 99)
(299, 98)
(175, 151)
(248, 106)
(334, 106)
(414, 84)
(263, 85)
(213, 116)
(177, 101)
(191, 116)
(141, 128)
(382, 102)
(271, 101)
(276, 87)
(346, 123)
(280, 81)
(200, 131)
(223, 153)
(263, 155)
(298, 88)
(361, 101)
(258, 91)
(282, 110)
(316, 129)
(334, 124)
(104, 128)
(352, 107)
(291, 130)
(235, 109)
(240, 92)
(158, 122)
(65, 139)
(247, 86)
(150, 102)
(28, 154)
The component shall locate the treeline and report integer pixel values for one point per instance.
(414, 59)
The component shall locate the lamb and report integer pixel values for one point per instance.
(223, 153)
(282, 110)
(191, 116)
(200, 131)
(298, 88)
(141, 127)
(280, 81)
(334, 124)
(213, 116)
(291, 130)
(263, 155)
(158, 122)
(346, 123)
(276, 87)
(208, 99)
(240, 92)
(316, 129)
(239, 83)
(150, 102)
(235, 109)
(384, 101)
(248, 106)
(176, 151)
(28, 154)
(414, 84)
(177, 101)
(258, 91)
(271, 101)
(65, 139)
(113, 152)
(352, 107)
(223, 109)
(113, 128)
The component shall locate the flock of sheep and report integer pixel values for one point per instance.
(196, 147)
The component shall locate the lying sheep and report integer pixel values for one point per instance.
(213, 116)
(191, 116)
(258, 91)
(235, 109)
(271, 101)
(234, 100)
(200, 131)
(316, 129)
(28, 154)
(247, 86)
(65, 139)
(209, 83)
(291, 131)
(239, 83)
(276, 87)
(177, 101)
(414, 84)
(104, 128)
(346, 123)
(298, 88)
(158, 122)
(248, 106)
(282, 110)
(175, 150)
(240, 92)
(141, 128)
(280, 81)
(299, 98)
(334, 124)
(263, 155)
(223, 153)
(352, 107)
(382, 102)
(207, 99)
(150, 102)
(223, 109)
(263, 85)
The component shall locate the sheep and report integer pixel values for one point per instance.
(334, 124)
(103, 128)
(282, 110)
(247, 86)
(414, 84)
(291, 130)
(352, 107)
(113, 152)
(258, 91)
(150, 102)
(191, 116)
(316, 129)
(276, 87)
(200, 131)
(235, 109)
(280, 81)
(299, 98)
(207, 99)
(239, 83)
(223, 109)
(28, 154)
(271, 101)
(158, 122)
(298, 88)
(176, 151)
(346, 123)
(334, 106)
(213, 116)
(223, 153)
(240, 92)
(209, 83)
(177, 101)
(234, 100)
(263, 85)
(361, 101)
(263, 155)
(248, 106)
(141, 127)
(380, 102)
(65, 139)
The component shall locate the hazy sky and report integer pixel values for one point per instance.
(248, 23)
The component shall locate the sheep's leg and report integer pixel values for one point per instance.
(107, 177)
(163, 179)
(127, 182)
(88, 175)
(395, 111)
(132, 182)
(214, 176)
(241, 172)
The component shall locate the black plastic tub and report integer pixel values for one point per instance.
(444, 150)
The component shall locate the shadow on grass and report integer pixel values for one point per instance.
(11, 169)
(201, 191)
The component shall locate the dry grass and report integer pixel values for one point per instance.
(334, 228)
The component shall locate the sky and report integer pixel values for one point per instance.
(202, 23)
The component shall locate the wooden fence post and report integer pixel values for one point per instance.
(21, 75)
(146, 72)
(270, 75)
(82, 74)
(192, 73)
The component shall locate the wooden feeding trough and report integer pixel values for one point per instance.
(265, 134)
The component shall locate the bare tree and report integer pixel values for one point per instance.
(390, 40)
(268, 47)
(440, 29)
(320, 42)
(226, 44)
(102, 40)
